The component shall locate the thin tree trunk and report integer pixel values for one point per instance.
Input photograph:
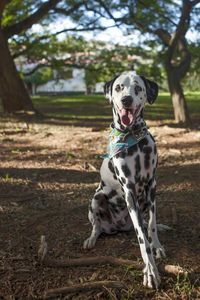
(181, 112)
(13, 94)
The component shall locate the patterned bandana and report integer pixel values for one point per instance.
(120, 141)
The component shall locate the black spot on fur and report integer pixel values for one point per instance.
(137, 165)
(105, 215)
(112, 194)
(99, 196)
(140, 219)
(131, 186)
(150, 239)
(114, 177)
(153, 230)
(136, 231)
(123, 180)
(121, 154)
(121, 203)
(103, 183)
(120, 181)
(110, 166)
(141, 240)
(116, 171)
(147, 151)
(132, 150)
(143, 143)
(148, 250)
(155, 149)
(152, 194)
(152, 208)
(126, 171)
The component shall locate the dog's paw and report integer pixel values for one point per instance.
(151, 277)
(89, 243)
(160, 252)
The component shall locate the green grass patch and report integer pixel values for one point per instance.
(97, 107)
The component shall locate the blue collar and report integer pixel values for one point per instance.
(120, 141)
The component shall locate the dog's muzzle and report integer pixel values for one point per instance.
(127, 101)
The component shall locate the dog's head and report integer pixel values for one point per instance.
(128, 94)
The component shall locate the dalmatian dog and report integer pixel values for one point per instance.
(127, 188)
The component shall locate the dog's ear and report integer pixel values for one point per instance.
(151, 89)
(108, 88)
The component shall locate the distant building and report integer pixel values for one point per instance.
(74, 84)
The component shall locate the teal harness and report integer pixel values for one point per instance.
(120, 141)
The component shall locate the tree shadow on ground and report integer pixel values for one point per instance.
(60, 213)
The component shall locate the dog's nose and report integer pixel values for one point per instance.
(127, 101)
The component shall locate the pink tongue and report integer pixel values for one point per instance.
(126, 116)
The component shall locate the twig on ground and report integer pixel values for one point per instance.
(42, 248)
(174, 216)
(87, 286)
(102, 260)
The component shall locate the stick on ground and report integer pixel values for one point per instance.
(87, 286)
(102, 260)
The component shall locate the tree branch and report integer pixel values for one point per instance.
(3, 4)
(69, 11)
(158, 13)
(75, 29)
(181, 29)
(17, 28)
(185, 58)
(194, 2)
(39, 66)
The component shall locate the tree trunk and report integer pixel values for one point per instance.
(178, 99)
(13, 93)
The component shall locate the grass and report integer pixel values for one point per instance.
(96, 107)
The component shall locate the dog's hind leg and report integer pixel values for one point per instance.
(93, 216)
(91, 241)
(152, 226)
(99, 214)
(107, 213)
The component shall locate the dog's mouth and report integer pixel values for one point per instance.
(128, 115)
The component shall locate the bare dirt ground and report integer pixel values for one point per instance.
(48, 173)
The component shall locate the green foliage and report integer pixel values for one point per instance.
(41, 76)
(192, 79)
(16, 11)
(99, 61)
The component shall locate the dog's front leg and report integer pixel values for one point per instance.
(151, 275)
(152, 226)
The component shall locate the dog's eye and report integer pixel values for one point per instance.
(137, 89)
(117, 88)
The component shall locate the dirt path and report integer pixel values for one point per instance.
(45, 185)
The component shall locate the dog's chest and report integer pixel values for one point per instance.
(135, 167)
